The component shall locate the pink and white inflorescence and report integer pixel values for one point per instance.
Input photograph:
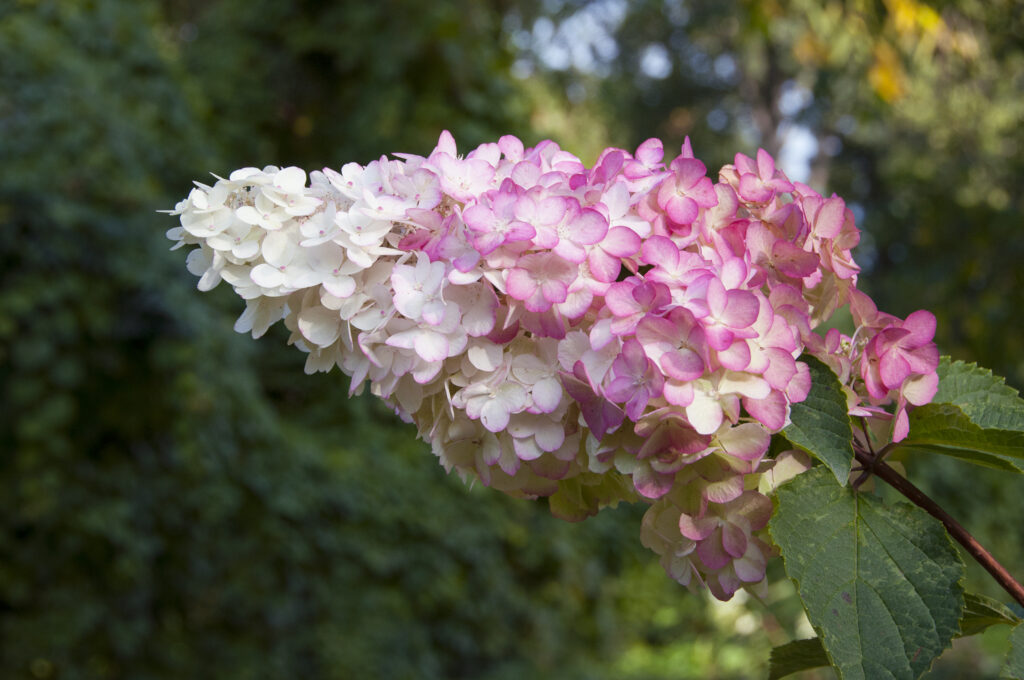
(629, 331)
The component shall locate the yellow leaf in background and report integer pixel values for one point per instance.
(887, 76)
(903, 13)
(929, 20)
(909, 17)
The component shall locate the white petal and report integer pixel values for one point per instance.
(512, 395)
(209, 280)
(547, 395)
(340, 286)
(431, 346)
(245, 173)
(705, 413)
(527, 449)
(744, 383)
(549, 435)
(319, 325)
(485, 356)
(246, 250)
(409, 395)
(290, 180)
(278, 248)
(248, 214)
(265, 276)
(494, 415)
(198, 261)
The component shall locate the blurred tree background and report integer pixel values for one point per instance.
(177, 501)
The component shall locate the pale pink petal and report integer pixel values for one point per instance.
(751, 189)
(900, 426)
(893, 369)
(765, 164)
(792, 260)
(551, 210)
(683, 364)
(712, 553)
(603, 266)
(431, 345)
(755, 507)
(736, 357)
(724, 490)
(621, 242)
(660, 251)
(923, 359)
(682, 209)
(650, 483)
(446, 144)
(520, 284)
(553, 291)
(527, 449)
(547, 395)
(570, 251)
(494, 415)
(526, 174)
(751, 567)
(829, 220)
(550, 467)
(678, 394)
(549, 436)
(770, 411)
(745, 384)
(800, 385)
(741, 309)
(920, 390)
(697, 528)
(512, 147)
(748, 441)
(650, 152)
(734, 540)
(921, 325)
(589, 227)
(782, 367)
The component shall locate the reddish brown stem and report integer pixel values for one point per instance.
(955, 529)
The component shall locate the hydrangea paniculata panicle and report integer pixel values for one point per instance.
(630, 331)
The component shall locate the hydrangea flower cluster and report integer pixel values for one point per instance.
(629, 331)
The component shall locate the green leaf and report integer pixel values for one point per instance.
(880, 584)
(984, 398)
(945, 429)
(820, 424)
(980, 612)
(796, 656)
(1014, 666)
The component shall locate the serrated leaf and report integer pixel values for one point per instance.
(945, 429)
(820, 424)
(1014, 666)
(796, 656)
(980, 612)
(984, 398)
(880, 583)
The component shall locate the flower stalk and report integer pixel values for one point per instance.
(874, 464)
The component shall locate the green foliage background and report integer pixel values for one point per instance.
(180, 501)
